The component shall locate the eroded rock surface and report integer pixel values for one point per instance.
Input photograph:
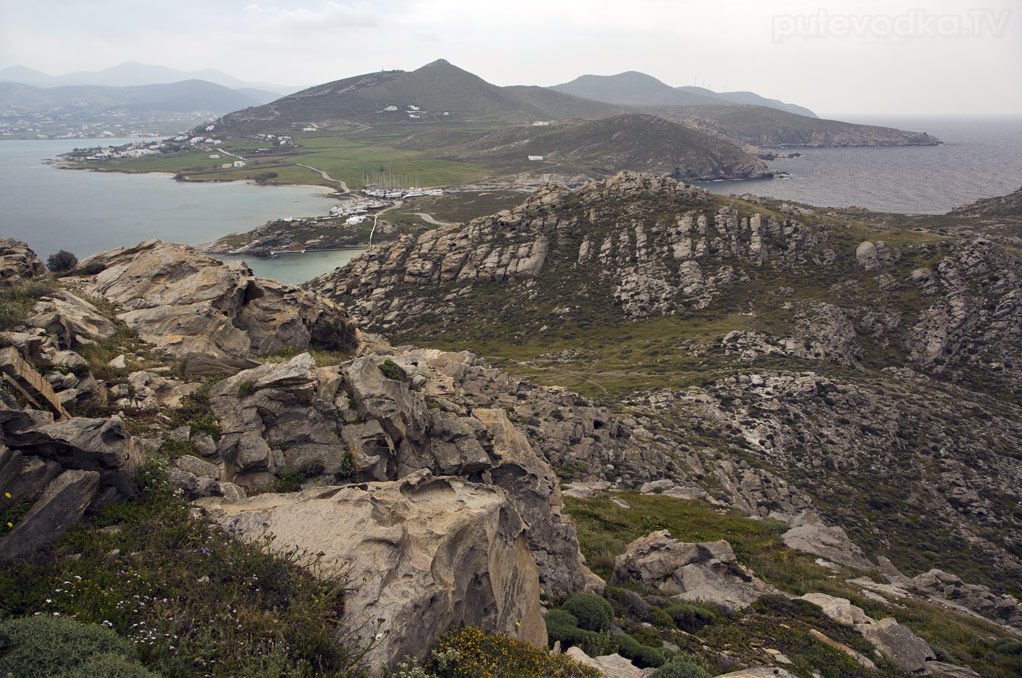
(187, 302)
(423, 553)
(706, 571)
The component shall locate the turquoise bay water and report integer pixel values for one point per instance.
(88, 212)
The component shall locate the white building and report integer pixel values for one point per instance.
(535, 157)
(355, 221)
(541, 123)
(214, 156)
(390, 109)
(239, 163)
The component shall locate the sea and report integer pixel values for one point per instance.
(87, 212)
(980, 158)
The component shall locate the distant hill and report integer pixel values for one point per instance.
(638, 89)
(437, 91)
(185, 96)
(1001, 206)
(131, 74)
(597, 148)
(768, 127)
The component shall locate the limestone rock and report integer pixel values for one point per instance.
(827, 542)
(101, 445)
(68, 317)
(706, 571)
(943, 670)
(757, 672)
(898, 643)
(187, 302)
(61, 505)
(839, 609)
(17, 260)
(424, 553)
(611, 665)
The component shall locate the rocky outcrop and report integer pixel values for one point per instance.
(18, 261)
(61, 505)
(70, 320)
(811, 535)
(944, 586)
(421, 554)
(186, 302)
(897, 642)
(707, 571)
(682, 259)
(354, 422)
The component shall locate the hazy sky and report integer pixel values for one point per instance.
(839, 57)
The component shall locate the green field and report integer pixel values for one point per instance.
(348, 159)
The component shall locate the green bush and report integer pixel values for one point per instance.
(61, 262)
(246, 388)
(1008, 646)
(91, 268)
(680, 669)
(391, 370)
(690, 618)
(642, 656)
(562, 626)
(109, 666)
(660, 619)
(593, 612)
(50, 647)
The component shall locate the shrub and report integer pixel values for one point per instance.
(690, 618)
(46, 646)
(562, 626)
(468, 652)
(642, 656)
(246, 388)
(1008, 646)
(680, 669)
(334, 334)
(289, 479)
(109, 666)
(660, 619)
(61, 262)
(91, 268)
(391, 370)
(593, 612)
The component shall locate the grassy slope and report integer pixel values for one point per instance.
(605, 529)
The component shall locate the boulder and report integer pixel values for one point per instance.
(610, 665)
(69, 318)
(854, 654)
(943, 670)
(61, 505)
(17, 260)
(897, 642)
(101, 445)
(706, 571)
(758, 672)
(839, 609)
(187, 302)
(422, 553)
(827, 542)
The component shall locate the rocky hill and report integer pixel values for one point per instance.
(223, 473)
(593, 149)
(638, 89)
(434, 89)
(769, 127)
(815, 350)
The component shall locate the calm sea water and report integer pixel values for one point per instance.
(88, 212)
(980, 158)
